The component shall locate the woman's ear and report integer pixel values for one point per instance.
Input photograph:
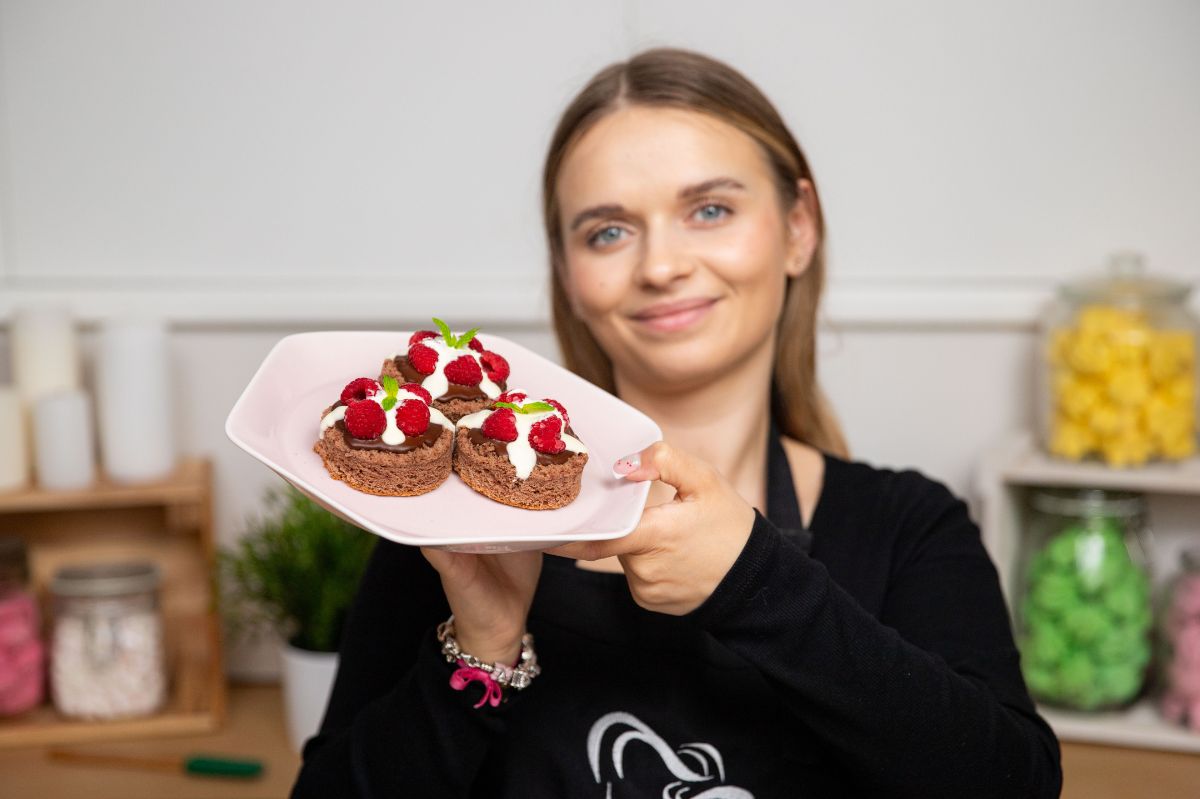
(802, 229)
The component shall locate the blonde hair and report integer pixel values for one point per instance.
(669, 77)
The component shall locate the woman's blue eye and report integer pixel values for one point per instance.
(599, 235)
(712, 217)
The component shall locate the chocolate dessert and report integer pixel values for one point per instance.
(459, 373)
(386, 439)
(520, 453)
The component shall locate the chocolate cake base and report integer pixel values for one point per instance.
(384, 473)
(549, 486)
(453, 407)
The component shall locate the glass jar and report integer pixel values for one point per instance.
(1181, 644)
(107, 658)
(22, 684)
(1118, 373)
(1084, 614)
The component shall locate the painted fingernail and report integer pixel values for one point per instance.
(627, 465)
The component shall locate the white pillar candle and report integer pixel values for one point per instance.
(65, 454)
(45, 352)
(14, 447)
(133, 400)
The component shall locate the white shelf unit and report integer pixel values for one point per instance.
(1004, 479)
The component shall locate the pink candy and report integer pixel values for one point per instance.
(21, 654)
(1181, 702)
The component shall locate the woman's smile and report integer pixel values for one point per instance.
(671, 317)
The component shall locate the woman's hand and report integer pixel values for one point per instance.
(489, 596)
(681, 549)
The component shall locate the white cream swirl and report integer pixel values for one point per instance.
(521, 453)
(437, 383)
(392, 435)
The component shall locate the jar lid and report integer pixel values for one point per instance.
(1126, 284)
(106, 579)
(1086, 502)
(14, 567)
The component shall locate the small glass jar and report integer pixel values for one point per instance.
(22, 655)
(107, 658)
(1180, 701)
(1118, 373)
(1084, 617)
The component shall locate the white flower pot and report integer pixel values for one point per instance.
(307, 683)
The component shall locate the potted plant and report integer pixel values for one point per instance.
(296, 570)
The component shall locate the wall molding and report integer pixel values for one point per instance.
(850, 301)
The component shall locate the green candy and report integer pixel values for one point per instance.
(1076, 677)
(1118, 683)
(1086, 624)
(1085, 618)
(1055, 592)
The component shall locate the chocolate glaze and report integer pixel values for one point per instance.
(453, 390)
(428, 439)
(477, 437)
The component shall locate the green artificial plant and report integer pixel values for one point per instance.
(296, 569)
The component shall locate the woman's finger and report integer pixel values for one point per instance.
(660, 461)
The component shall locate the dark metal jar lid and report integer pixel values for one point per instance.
(106, 579)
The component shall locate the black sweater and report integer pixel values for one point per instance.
(870, 655)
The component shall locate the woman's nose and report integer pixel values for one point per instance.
(662, 261)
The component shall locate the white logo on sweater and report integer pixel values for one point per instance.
(706, 766)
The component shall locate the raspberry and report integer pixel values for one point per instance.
(359, 389)
(422, 358)
(412, 417)
(543, 436)
(515, 397)
(365, 420)
(501, 425)
(476, 345)
(419, 390)
(463, 370)
(558, 407)
(421, 335)
(495, 366)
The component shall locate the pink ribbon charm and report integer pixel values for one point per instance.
(465, 675)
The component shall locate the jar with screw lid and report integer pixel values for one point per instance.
(107, 656)
(1084, 615)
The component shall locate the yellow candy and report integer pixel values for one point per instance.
(1128, 386)
(1071, 440)
(1109, 420)
(1090, 353)
(1171, 352)
(1122, 388)
(1179, 447)
(1078, 396)
(1127, 449)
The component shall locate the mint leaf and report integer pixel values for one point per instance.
(536, 407)
(509, 405)
(388, 403)
(447, 336)
(465, 338)
(391, 386)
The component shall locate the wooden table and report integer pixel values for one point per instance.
(255, 729)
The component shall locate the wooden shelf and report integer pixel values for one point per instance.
(189, 484)
(168, 522)
(1003, 481)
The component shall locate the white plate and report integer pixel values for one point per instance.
(277, 420)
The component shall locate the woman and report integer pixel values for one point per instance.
(784, 621)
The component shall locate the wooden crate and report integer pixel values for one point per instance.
(168, 522)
